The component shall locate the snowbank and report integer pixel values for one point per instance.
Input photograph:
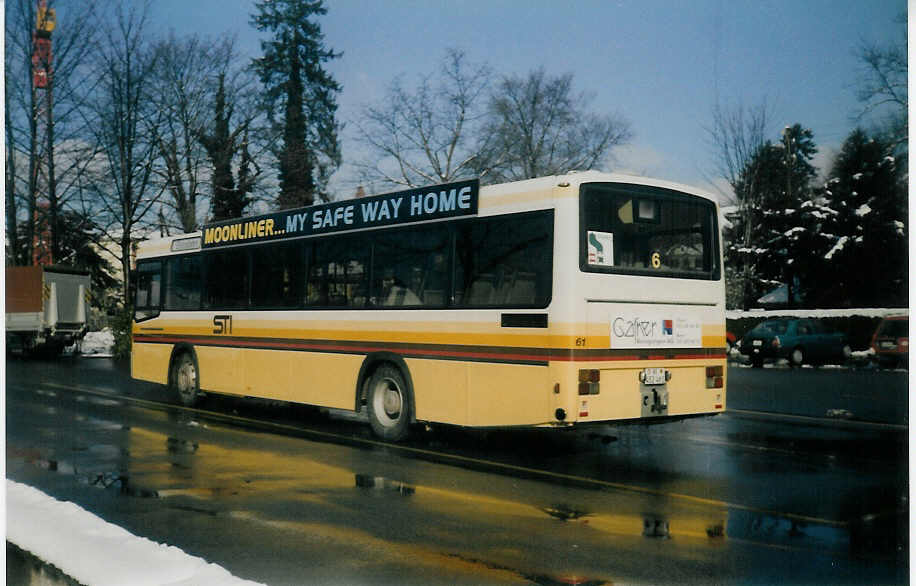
(816, 313)
(98, 343)
(94, 552)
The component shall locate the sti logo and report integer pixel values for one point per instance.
(668, 327)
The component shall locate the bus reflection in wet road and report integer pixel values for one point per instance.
(278, 499)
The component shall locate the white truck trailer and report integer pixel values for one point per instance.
(46, 308)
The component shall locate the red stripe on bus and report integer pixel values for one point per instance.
(552, 355)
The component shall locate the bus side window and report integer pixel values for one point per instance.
(505, 261)
(149, 288)
(338, 276)
(183, 283)
(278, 271)
(481, 290)
(227, 285)
(410, 267)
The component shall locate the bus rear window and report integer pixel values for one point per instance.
(636, 229)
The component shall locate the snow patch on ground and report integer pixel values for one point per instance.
(98, 343)
(98, 553)
(816, 313)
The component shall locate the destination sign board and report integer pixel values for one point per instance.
(403, 207)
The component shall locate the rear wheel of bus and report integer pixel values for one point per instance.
(183, 379)
(389, 404)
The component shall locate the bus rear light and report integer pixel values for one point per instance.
(589, 388)
(589, 382)
(714, 377)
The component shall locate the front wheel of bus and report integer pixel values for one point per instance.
(184, 380)
(389, 404)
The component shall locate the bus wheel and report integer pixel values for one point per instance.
(389, 403)
(184, 379)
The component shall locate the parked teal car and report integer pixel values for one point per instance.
(800, 341)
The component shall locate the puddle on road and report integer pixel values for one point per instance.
(101, 424)
(539, 579)
(656, 528)
(114, 481)
(565, 512)
(230, 467)
(174, 445)
(99, 401)
(544, 580)
(383, 484)
(785, 532)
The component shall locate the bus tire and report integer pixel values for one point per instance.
(183, 379)
(389, 403)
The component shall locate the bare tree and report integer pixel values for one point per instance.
(537, 125)
(23, 113)
(736, 137)
(883, 86)
(182, 89)
(13, 254)
(233, 138)
(427, 132)
(123, 118)
(44, 126)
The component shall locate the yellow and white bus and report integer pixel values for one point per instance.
(556, 301)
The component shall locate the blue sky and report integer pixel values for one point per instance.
(660, 64)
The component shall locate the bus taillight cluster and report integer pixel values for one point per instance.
(588, 382)
(714, 376)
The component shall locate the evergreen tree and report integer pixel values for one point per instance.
(868, 256)
(765, 243)
(229, 200)
(297, 85)
(784, 224)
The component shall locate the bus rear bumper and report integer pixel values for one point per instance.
(642, 390)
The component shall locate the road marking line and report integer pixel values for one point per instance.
(581, 480)
(819, 420)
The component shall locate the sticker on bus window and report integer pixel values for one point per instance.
(601, 248)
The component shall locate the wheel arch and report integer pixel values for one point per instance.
(178, 350)
(370, 364)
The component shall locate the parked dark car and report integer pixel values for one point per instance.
(800, 341)
(891, 341)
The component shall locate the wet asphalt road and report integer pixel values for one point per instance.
(287, 495)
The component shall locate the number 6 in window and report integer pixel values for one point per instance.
(656, 260)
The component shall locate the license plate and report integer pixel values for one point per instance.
(654, 376)
(758, 342)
